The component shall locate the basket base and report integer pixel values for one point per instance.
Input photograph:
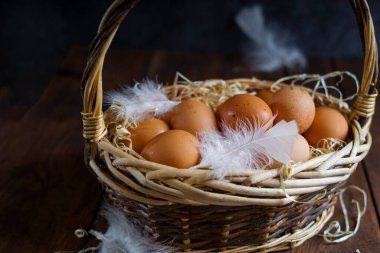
(262, 237)
(288, 241)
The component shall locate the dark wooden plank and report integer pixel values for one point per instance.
(314, 66)
(235, 66)
(10, 115)
(46, 191)
(121, 67)
(200, 66)
(371, 162)
(124, 67)
(45, 184)
(353, 65)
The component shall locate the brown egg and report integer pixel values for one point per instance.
(176, 148)
(293, 103)
(146, 131)
(246, 108)
(167, 116)
(266, 95)
(193, 116)
(301, 150)
(328, 123)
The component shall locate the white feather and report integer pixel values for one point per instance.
(270, 50)
(123, 237)
(247, 148)
(141, 101)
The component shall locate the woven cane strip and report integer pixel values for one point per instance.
(199, 186)
(215, 227)
(365, 105)
(93, 127)
(294, 187)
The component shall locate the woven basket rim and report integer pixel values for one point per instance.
(159, 184)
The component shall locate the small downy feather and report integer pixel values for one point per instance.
(270, 48)
(247, 148)
(123, 237)
(143, 100)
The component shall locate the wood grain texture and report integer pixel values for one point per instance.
(47, 192)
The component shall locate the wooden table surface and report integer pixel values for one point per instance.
(46, 192)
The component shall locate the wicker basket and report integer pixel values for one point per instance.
(244, 213)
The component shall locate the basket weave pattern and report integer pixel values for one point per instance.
(271, 209)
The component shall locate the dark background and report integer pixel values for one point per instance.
(36, 35)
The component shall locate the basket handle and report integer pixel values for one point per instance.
(92, 92)
(94, 128)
